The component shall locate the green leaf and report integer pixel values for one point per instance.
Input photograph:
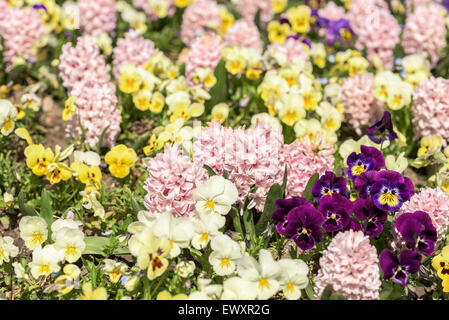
(140, 142)
(236, 221)
(337, 297)
(100, 141)
(210, 172)
(16, 73)
(289, 133)
(97, 245)
(46, 211)
(219, 92)
(24, 208)
(136, 205)
(307, 194)
(202, 258)
(327, 292)
(284, 182)
(274, 194)
(248, 221)
(309, 292)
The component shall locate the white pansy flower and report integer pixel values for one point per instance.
(33, 230)
(236, 288)
(114, 269)
(8, 116)
(71, 243)
(293, 277)
(217, 195)
(264, 273)
(7, 249)
(225, 254)
(206, 227)
(45, 261)
(398, 164)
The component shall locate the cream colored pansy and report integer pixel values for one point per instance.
(59, 224)
(235, 59)
(8, 116)
(204, 76)
(70, 16)
(399, 95)
(179, 232)
(33, 230)
(206, 227)
(8, 199)
(350, 146)
(206, 291)
(398, 164)
(185, 269)
(331, 118)
(225, 254)
(90, 201)
(220, 112)
(45, 261)
(382, 81)
(236, 288)
(265, 273)
(293, 277)
(217, 195)
(114, 269)
(19, 271)
(290, 108)
(71, 243)
(7, 249)
(142, 99)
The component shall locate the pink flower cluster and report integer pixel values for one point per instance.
(145, 6)
(303, 159)
(82, 62)
(361, 105)
(96, 109)
(412, 5)
(350, 265)
(431, 108)
(3, 8)
(204, 53)
(197, 18)
(293, 49)
(249, 8)
(332, 12)
(133, 48)
(97, 16)
(379, 34)
(86, 75)
(360, 9)
(171, 181)
(433, 201)
(425, 32)
(20, 29)
(250, 157)
(244, 33)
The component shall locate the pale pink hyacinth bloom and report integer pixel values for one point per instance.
(96, 109)
(412, 5)
(425, 32)
(244, 33)
(379, 34)
(361, 105)
(145, 6)
(20, 29)
(82, 62)
(132, 48)
(303, 159)
(351, 265)
(251, 157)
(171, 181)
(293, 49)
(200, 16)
(332, 12)
(97, 16)
(248, 9)
(435, 202)
(360, 9)
(204, 53)
(431, 108)
(3, 8)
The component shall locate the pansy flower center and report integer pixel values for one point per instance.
(359, 168)
(389, 197)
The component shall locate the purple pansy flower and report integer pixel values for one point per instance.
(335, 210)
(304, 226)
(283, 207)
(374, 218)
(382, 129)
(369, 159)
(363, 183)
(339, 31)
(391, 190)
(328, 184)
(418, 231)
(353, 224)
(399, 269)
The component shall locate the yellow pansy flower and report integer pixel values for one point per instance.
(182, 3)
(57, 172)
(300, 18)
(69, 108)
(441, 264)
(89, 175)
(38, 158)
(130, 81)
(24, 134)
(90, 294)
(165, 295)
(227, 19)
(153, 145)
(278, 32)
(157, 102)
(278, 5)
(142, 100)
(120, 160)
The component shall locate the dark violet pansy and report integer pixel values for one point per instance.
(328, 184)
(335, 210)
(399, 269)
(363, 183)
(373, 217)
(382, 130)
(283, 207)
(339, 31)
(304, 226)
(391, 190)
(418, 231)
(368, 159)
(353, 225)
